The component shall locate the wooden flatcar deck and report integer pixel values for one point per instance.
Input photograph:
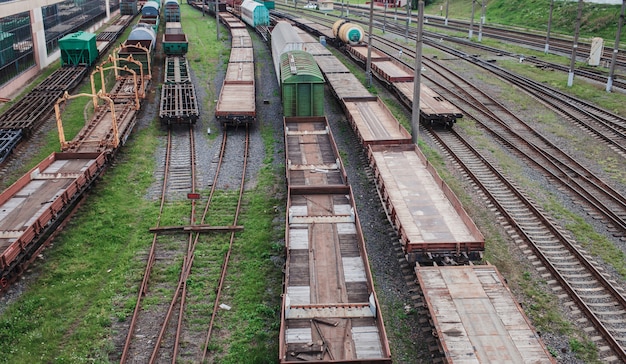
(315, 28)
(476, 317)
(236, 100)
(241, 55)
(374, 123)
(31, 204)
(432, 105)
(329, 298)
(427, 214)
(346, 85)
(242, 71)
(312, 157)
(359, 52)
(392, 71)
(330, 64)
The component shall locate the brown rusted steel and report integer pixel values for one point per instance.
(195, 228)
(230, 246)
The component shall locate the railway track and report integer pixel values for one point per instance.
(596, 297)
(597, 301)
(144, 331)
(598, 196)
(166, 329)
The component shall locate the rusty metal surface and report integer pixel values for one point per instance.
(312, 155)
(430, 219)
(178, 104)
(63, 79)
(476, 317)
(30, 112)
(32, 204)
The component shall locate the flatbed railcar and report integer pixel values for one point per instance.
(34, 206)
(463, 298)
(434, 109)
(27, 114)
(432, 224)
(237, 101)
(330, 312)
(179, 104)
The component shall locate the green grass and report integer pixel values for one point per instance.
(66, 313)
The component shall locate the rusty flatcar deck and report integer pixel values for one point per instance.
(241, 55)
(98, 134)
(374, 123)
(346, 85)
(429, 217)
(312, 157)
(35, 201)
(432, 105)
(329, 299)
(476, 317)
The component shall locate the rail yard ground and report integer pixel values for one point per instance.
(73, 304)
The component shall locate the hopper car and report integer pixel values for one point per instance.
(172, 11)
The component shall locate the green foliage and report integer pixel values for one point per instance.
(598, 20)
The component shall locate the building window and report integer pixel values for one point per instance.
(16, 46)
(70, 16)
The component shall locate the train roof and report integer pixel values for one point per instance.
(298, 67)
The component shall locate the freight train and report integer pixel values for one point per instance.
(330, 310)
(435, 233)
(434, 109)
(35, 205)
(79, 52)
(179, 104)
(237, 102)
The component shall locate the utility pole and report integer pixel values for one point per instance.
(217, 18)
(572, 65)
(368, 66)
(385, 19)
(471, 27)
(547, 48)
(446, 21)
(408, 20)
(417, 76)
(609, 83)
(482, 21)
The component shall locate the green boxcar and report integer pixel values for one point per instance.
(302, 85)
(175, 44)
(78, 48)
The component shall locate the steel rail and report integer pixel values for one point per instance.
(230, 247)
(151, 256)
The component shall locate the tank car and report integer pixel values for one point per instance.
(348, 32)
